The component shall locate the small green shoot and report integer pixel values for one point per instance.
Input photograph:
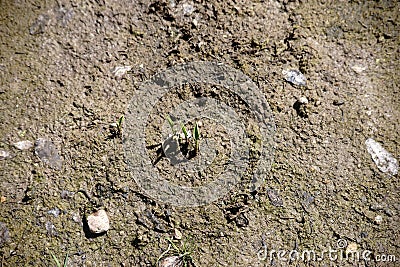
(58, 262)
(196, 135)
(184, 252)
(185, 132)
(171, 124)
(119, 125)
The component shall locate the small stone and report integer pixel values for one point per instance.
(51, 229)
(378, 219)
(23, 145)
(351, 248)
(303, 100)
(3, 199)
(389, 212)
(48, 153)
(358, 69)
(4, 154)
(376, 207)
(382, 158)
(274, 198)
(177, 234)
(55, 212)
(188, 9)
(120, 71)
(295, 77)
(4, 234)
(98, 222)
(172, 261)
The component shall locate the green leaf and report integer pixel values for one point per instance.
(66, 260)
(120, 120)
(171, 123)
(196, 132)
(184, 130)
(55, 259)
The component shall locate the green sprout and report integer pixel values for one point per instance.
(183, 253)
(58, 262)
(196, 135)
(185, 132)
(119, 125)
(171, 124)
(189, 141)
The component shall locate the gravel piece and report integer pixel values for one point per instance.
(55, 212)
(4, 234)
(4, 154)
(98, 222)
(295, 77)
(172, 261)
(383, 159)
(120, 71)
(274, 197)
(23, 145)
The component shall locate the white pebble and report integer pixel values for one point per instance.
(378, 219)
(382, 158)
(4, 154)
(303, 100)
(172, 261)
(295, 77)
(120, 71)
(23, 145)
(98, 222)
(178, 234)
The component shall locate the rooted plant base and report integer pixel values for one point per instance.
(62, 78)
(211, 132)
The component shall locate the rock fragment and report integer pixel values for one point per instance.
(4, 234)
(294, 77)
(382, 158)
(120, 71)
(274, 197)
(98, 222)
(177, 234)
(23, 145)
(172, 261)
(4, 154)
(51, 229)
(378, 219)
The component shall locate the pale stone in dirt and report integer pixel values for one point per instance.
(23, 145)
(378, 219)
(178, 234)
(98, 222)
(4, 154)
(382, 158)
(172, 261)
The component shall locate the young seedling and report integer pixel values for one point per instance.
(185, 132)
(171, 124)
(180, 255)
(58, 262)
(196, 135)
(119, 125)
